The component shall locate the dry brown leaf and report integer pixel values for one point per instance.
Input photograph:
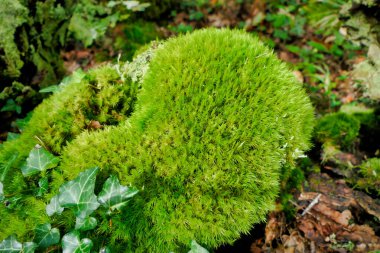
(367, 203)
(273, 228)
(294, 243)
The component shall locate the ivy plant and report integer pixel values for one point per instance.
(39, 160)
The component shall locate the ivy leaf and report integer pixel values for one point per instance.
(71, 243)
(115, 196)
(46, 236)
(12, 136)
(43, 184)
(52, 88)
(85, 224)
(11, 106)
(13, 202)
(5, 167)
(29, 247)
(10, 245)
(22, 123)
(54, 207)
(1, 192)
(39, 160)
(105, 249)
(196, 248)
(78, 194)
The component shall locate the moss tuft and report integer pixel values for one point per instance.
(217, 116)
(370, 172)
(339, 128)
(98, 96)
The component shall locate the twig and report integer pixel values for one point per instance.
(41, 142)
(312, 247)
(313, 203)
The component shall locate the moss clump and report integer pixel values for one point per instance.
(160, 8)
(85, 101)
(217, 116)
(97, 96)
(370, 171)
(339, 128)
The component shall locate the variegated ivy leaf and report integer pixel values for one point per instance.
(71, 243)
(85, 224)
(43, 184)
(46, 236)
(78, 194)
(5, 167)
(1, 192)
(54, 207)
(105, 250)
(196, 248)
(39, 160)
(10, 245)
(115, 196)
(29, 247)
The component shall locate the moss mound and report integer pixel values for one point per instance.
(217, 116)
(98, 96)
(370, 172)
(339, 128)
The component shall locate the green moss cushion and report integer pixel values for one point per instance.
(370, 172)
(217, 116)
(339, 128)
(99, 95)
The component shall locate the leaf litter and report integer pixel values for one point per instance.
(333, 224)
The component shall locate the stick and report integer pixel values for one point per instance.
(313, 203)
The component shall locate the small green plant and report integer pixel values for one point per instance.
(338, 128)
(83, 98)
(370, 176)
(32, 32)
(32, 35)
(78, 196)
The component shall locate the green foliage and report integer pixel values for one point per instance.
(158, 8)
(1, 192)
(54, 206)
(339, 128)
(13, 14)
(134, 36)
(292, 178)
(85, 224)
(115, 196)
(206, 142)
(11, 105)
(366, 116)
(78, 194)
(29, 247)
(327, 18)
(33, 34)
(44, 27)
(39, 160)
(24, 213)
(196, 248)
(46, 235)
(97, 96)
(370, 175)
(105, 95)
(71, 243)
(10, 245)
